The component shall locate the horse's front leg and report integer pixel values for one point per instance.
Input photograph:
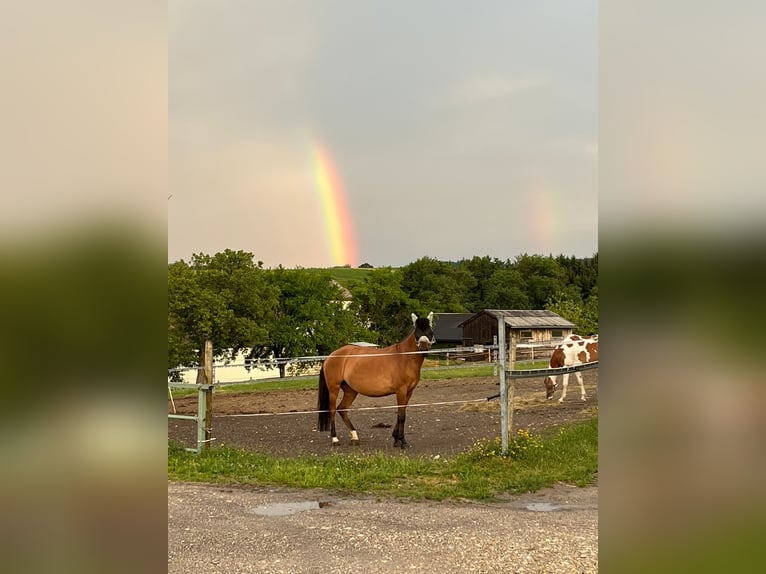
(564, 383)
(582, 386)
(402, 398)
(398, 434)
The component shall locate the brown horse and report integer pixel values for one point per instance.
(374, 372)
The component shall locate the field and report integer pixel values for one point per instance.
(346, 276)
(280, 428)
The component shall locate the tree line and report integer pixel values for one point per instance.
(231, 299)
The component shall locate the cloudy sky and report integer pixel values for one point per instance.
(454, 129)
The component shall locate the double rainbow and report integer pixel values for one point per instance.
(338, 225)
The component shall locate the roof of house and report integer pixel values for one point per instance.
(526, 319)
(447, 326)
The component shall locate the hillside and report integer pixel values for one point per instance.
(346, 276)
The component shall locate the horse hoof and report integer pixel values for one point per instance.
(561, 401)
(354, 443)
(583, 399)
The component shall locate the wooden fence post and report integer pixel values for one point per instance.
(205, 399)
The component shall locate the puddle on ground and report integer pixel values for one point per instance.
(542, 507)
(287, 508)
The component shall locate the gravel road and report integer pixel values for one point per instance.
(222, 529)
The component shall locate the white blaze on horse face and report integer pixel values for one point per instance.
(424, 341)
(431, 318)
(414, 318)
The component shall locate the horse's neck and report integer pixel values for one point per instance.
(407, 345)
(410, 345)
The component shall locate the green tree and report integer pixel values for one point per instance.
(583, 314)
(482, 269)
(543, 278)
(590, 314)
(582, 274)
(312, 318)
(506, 289)
(224, 298)
(383, 306)
(438, 286)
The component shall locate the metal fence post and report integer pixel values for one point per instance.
(512, 388)
(503, 388)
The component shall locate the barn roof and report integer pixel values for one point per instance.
(447, 326)
(526, 319)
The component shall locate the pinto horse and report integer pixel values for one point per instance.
(574, 350)
(373, 372)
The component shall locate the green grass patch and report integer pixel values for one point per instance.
(528, 365)
(281, 385)
(455, 373)
(346, 276)
(569, 454)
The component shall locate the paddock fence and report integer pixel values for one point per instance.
(503, 358)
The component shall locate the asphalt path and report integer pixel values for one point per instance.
(223, 529)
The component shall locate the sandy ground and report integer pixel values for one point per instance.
(464, 416)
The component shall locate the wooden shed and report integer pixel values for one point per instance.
(539, 327)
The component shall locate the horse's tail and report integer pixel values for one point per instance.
(323, 403)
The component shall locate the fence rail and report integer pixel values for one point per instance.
(276, 361)
(183, 417)
(531, 373)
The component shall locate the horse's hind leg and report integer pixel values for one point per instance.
(333, 408)
(349, 395)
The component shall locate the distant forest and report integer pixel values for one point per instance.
(233, 300)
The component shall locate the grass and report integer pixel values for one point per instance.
(568, 454)
(346, 276)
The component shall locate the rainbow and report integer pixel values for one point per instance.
(541, 207)
(340, 231)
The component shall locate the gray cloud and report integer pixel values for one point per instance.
(442, 119)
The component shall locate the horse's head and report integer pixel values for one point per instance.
(550, 386)
(424, 334)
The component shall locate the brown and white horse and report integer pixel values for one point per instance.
(574, 350)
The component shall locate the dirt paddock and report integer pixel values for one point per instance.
(444, 429)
